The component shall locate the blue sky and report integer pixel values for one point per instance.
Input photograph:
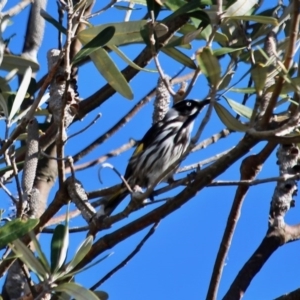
(177, 261)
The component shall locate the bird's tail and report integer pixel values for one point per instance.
(111, 202)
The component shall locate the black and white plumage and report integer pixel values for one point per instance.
(163, 144)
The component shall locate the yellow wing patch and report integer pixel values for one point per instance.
(138, 149)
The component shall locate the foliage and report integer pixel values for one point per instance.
(247, 54)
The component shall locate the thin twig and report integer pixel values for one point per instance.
(103, 158)
(107, 165)
(152, 39)
(106, 7)
(61, 218)
(116, 127)
(129, 11)
(18, 184)
(204, 122)
(255, 182)
(294, 28)
(127, 259)
(17, 8)
(30, 113)
(60, 141)
(52, 157)
(192, 83)
(202, 163)
(30, 283)
(85, 128)
(250, 167)
(5, 189)
(212, 140)
(71, 164)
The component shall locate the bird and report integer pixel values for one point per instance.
(162, 145)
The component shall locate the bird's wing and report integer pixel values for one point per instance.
(147, 139)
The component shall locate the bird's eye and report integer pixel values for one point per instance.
(188, 104)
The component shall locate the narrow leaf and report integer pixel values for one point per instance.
(24, 112)
(98, 41)
(40, 252)
(239, 108)
(228, 120)
(259, 75)
(83, 249)
(28, 258)
(15, 229)
(209, 65)
(111, 73)
(186, 8)
(258, 19)
(226, 50)
(243, 90)
(179, 57)
(102, 295)
(76, 291)
(239, 8)
(3, 106)
(128, 60)
(59, 247)
(21, 93)
(11, 62)
(51, 20)
(125, 33)
(68, 275)
(287, 87)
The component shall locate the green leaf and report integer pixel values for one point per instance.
(15, 229)
(125, 33)
(129, 61)
(101, 295)
(9, 168)
(39, 251)
(225, 80)
(228, 120)
(24, 112)
(21, 93)
(187, 8)
(76, 291)
(11, 62)
(51, 20)
(69, 274)
(179, 57)
(3, 105)
(226, 50)
(243, 90)
(178, 41)
(100, 40)
(259, 75)
(287, 87)
(111, 73)
(29, 259)
(239, 108)
(209, 65)
(59, 247)
(189, 29)
(258, 19)
(239, 8)
(141, 2)
(82, 251)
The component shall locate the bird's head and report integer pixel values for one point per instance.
(189, 108)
